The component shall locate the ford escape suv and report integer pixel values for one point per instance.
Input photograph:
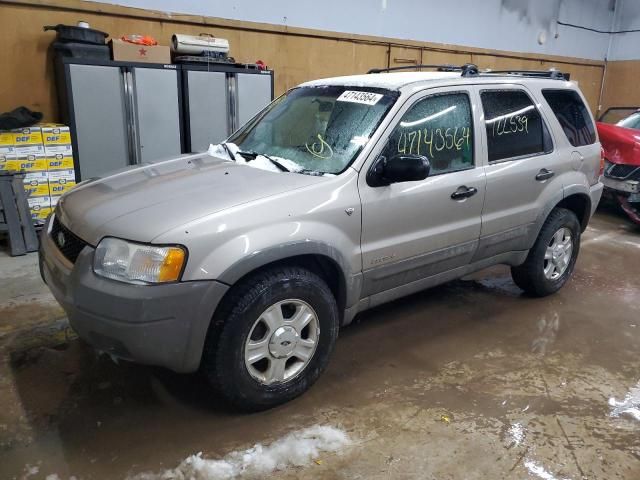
(341, 195)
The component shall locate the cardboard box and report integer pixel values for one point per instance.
(6, 139)
(61, 181)
(60, 161)
(40, 208)
(7, 154)
(54, 201)
(30, 163)
(29, 150)
(27, 136)
(130, 52)
(36, 184)
(55, 135)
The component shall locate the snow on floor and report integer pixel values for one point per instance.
(630, 405)
(517, 433)
(539, 471)
(297, 449)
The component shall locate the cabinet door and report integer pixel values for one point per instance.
(99, 118)
(157, 113)
(254, 93)
(208, 111)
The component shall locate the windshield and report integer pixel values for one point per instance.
(628, 117)
(318, 129)
(632, 121)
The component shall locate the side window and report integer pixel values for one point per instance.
(573, 116)
(514, 125)
(438, 127)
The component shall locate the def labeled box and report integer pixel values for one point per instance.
(7, 150)
(53, 135)
(61, 181)
(59, 158)
(27, 136)
(40, 208)
(36, 184)
(28, 163)
(6, 139)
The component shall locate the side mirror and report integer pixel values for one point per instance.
(400, 168)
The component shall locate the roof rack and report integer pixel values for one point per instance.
(440, 68)
(551, 73)
(471, 70)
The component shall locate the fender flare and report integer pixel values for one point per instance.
(555, 201)
(351, 282)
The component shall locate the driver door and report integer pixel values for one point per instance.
(418, 229)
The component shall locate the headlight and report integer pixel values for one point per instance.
(138, 263)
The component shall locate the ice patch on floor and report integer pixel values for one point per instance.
(516, 433)
(539, 471)
(297, 449)
(630, 405)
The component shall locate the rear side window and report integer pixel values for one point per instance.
(514, 126)
(573, 116)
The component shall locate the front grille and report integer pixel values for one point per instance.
(69, 244)
(623, 172)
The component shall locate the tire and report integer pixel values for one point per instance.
(539, 276)
(248, 317)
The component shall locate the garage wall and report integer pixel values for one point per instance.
(623, 68)
(296, 54)
(497, 24)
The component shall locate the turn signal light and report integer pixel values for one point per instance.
(171, 265)
(601, 160)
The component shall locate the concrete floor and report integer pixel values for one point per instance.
(468, 380)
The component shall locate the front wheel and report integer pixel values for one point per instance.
(271, 338)
(552, 258)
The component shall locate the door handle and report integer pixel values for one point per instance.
(464, 192)
(544, 174)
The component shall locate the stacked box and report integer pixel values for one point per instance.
(7, 150)
(40, 208)
(44, 154)
(61, 181)
(30, 159)
(57, 147)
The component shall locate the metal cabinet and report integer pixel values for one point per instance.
(124, 113)
(120, 113)
(100, 119)
(157, 110)
(207, 101)
(254, 92)
(219, 99)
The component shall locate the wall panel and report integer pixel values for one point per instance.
(621, 84)
(295, 54)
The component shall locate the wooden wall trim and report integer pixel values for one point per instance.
(186, 19)
(296, 54)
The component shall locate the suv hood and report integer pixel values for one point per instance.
(621, 145)
(143, 202)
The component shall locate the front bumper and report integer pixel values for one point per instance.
(622, 186)
(162, 325)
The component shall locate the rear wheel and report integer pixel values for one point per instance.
(271, 338)
(552, 258)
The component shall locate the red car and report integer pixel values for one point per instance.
(619, 131)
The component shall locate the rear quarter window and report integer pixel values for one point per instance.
(573, 116)
(514, 125)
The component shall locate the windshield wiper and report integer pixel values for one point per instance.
(251, 155)
(228, 150)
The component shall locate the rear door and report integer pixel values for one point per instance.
(522, 168)
(414, 230)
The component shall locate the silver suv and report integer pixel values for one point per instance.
(341, 195)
